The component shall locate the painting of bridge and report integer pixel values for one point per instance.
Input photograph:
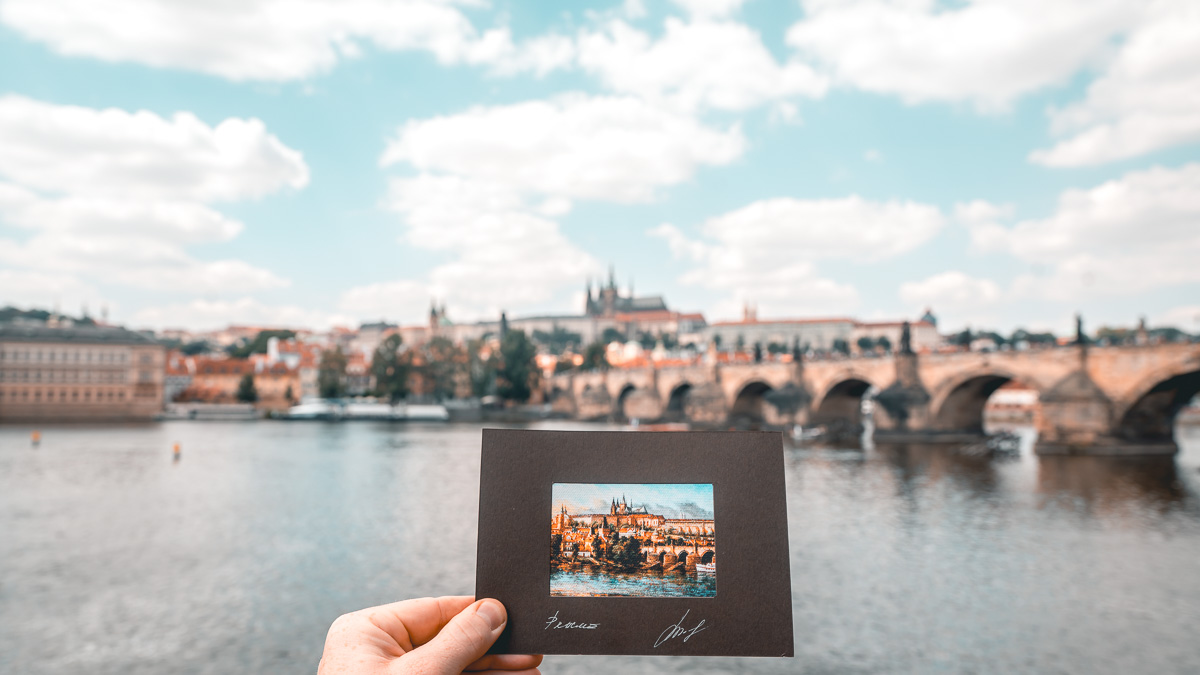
(643, 540)
(1094, 400)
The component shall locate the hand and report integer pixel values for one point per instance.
(431, 636)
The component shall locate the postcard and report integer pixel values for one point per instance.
(636, 543)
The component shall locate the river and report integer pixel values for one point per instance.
(115, 559)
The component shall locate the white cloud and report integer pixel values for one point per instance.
(39, 290)
(140, 155)
(403, 298)
(114, 196)
(211, 314)
(1184, 317)
(1147, 99)
(573, 146)
(269, 40)
(721, 65)
(1134, 233)
(979, 212)
(182, 222)
(505, 256)
(987, 52)
(950, 291)
(710, 8)
(766, 252)
(134, 261)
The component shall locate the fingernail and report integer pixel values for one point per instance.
(492, 612)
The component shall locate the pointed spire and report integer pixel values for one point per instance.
(612, 277)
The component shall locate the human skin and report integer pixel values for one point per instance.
(430, 636)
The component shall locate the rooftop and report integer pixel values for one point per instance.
(10, 332)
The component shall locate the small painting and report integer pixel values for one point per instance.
(634, 540)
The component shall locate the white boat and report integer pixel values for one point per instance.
(318, 409)
(708, 568)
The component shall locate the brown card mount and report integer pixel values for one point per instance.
(612, 542)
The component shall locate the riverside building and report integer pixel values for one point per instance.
(65, 373)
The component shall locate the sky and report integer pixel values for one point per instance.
(325, 162)
(673, 500)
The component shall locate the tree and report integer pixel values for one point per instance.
(390, 368)
(611, 334)
(1022, 335)
(556, 541)
(884, 343)
(865, 344)
(331, 374)
(758, 352)
(558, 339)
(741, 342)
(444, 362)
(259, 344)
(840, 345)
(481, 368)
(194, 348)
(246, 393)
(962, 339)
(516, 367)
(777, 348)
(647, 340)
(716, 341)
(595, 357)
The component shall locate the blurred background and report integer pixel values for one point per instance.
(268, 267)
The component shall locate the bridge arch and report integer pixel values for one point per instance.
(843, 400)
(707, 556)
(1149, 413)
(957, 404)
(749, 406)
(676, 402)
(618, 410)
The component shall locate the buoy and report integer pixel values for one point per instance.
(175, 448)
(35, 438)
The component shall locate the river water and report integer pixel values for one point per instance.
(651, 583)
(115, 559)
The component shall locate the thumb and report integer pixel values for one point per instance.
(462, 641)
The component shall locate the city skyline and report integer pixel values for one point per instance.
(350, 165)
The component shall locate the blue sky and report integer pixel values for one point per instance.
(673, 500)
(319, 163)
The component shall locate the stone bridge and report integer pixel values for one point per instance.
(689, 555)
(1095, 400)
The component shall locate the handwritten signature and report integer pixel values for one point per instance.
(554, 623)
(676, 629)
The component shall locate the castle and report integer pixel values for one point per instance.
(623, 515)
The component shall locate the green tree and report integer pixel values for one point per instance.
(246, 392)
(865, 344)
(558, 339)
(840, 345)
(1022, 335)
(962, 339)
(647, 340)
(595, 357)
(444, 364)
(391, 369)
(777, 348)
(884, 343)
(517, 369)
(611, 334)
(481, 368)
(259, 344)
(331, 374)
(194, 348)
